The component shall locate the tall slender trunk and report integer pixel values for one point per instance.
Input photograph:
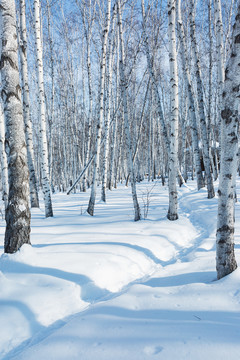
(123, 85)
(42, 117)
(225, 259)
(91, 203)
(203, 126)
(88, 37)
(220, 46)
(115, 125)
(190, 94)
(17, 213)
(173, 160)
(4, 165)
(26, 105)
(108, 110)
(52, 105)
(210, 92)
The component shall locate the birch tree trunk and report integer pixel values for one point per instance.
(225, 259)
(202, 116)
(108, 109)
(52, 105)
(190, 94)
(210, 91)
(91, 203)
(88, 28)
(123, 86)
(115, 124)
(4, 165)
(17, 213)
(26, 105)
(42, 117)
(219, 41)
(173, 160)
(220, 57)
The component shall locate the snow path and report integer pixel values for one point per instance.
(106, 287)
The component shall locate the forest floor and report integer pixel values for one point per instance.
(106, 287)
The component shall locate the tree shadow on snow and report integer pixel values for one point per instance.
(144, 250)
(89, 291)
(182, 279)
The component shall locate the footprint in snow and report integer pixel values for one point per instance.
(152, 350)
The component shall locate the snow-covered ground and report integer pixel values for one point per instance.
(106, 287)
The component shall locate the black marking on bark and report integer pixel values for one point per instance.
(236, 88)
(226, 74)
(237, 39)
(5, 58)
(225, 228)
(9, 95)
(234, 139)
(226, 113)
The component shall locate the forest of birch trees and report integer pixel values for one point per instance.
(94, 93)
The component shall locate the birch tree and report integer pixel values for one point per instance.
(91, 203)
(4, 165)
(173, 160)
(123, 86)
(200, 97)
(225, 259)
(190, 94)
(110, 55)
(219, 41)
(17, 212)
(42, 117)
(26, 105)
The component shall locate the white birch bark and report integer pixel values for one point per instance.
(210, 92)
(91, 203)
(52, 105)
(26, 106)
(110, 55)
(190, 94)
(4, 165)
(149, 155)
(219, 41)
(123, 86)
(140, 127)
(88, 28)
(113, 153)
(155, 87)
(225, 259)
(200, 97)
(42, 117)
(173, 160)
(17, 213)
(119, 157)
(115, 125)
(228, 32)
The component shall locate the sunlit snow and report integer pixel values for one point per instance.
(106, 287)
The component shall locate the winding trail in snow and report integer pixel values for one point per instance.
(191, 208)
